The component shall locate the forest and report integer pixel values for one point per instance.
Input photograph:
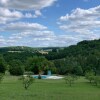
(75, 59)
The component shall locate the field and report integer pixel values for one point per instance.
(12, 89)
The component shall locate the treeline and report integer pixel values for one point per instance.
(80, 58)
(17, 48)
(76, 59)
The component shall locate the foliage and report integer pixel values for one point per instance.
(1, 77)
(69, 79)
(27, 81)
(37, 64)
(75, 59)
(39, 76)
(68, 65)
(2, 65)
(90, 76)
(97, 80)
(16, 68)
(85, 55)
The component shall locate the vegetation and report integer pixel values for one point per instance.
(1, 77)
(76, 59)
(85, 56)
(39, 65)
(2, 65)
(92, 78)
(12, 89)
(69, 79)
(16, 68)
(27, 81)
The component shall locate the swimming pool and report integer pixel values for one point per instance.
(42, 76)
(48, 77)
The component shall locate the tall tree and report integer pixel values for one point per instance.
(2, 64)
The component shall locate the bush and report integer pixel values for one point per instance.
(1, 77)
(39, 77)
(90, 76)
(69, 79)
(97, 80)
(27, 81)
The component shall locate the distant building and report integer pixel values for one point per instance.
(43, 52)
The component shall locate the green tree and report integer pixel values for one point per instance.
(90, 76)
(69, 79)
(97, 80)
(2, 64)
(1, 77)
(27, 81)
(38, 64)
(16, 68)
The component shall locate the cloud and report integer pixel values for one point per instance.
(11, 10)
(22, 26)
(33, 34)
(27, 4)
(82, 22)
(2, 41)
(20, 32)
(6, 15)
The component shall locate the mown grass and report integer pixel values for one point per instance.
(12, 89)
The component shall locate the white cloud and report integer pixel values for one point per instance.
(82, 22)
(2, 41)
(21, 32)
(6, 15)
(11, 10)
(35, 36)
(22, 26)
(27, 4)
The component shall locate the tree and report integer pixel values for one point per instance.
(97, 80)
(16, 68)
(2, 65)
(1, 77)
(69, 79)
(27, 81)
(38, 64)
(90, 76)
(77, 70)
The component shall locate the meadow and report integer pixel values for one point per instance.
(11, 88)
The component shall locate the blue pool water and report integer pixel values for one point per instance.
(42, 76)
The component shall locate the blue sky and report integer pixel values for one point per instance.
(45, 23)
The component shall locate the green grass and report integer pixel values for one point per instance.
(12, 89)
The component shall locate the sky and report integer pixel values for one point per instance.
(48, 23)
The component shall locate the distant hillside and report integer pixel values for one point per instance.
(26, 49)
(17, 49)
(83, 48)
(78, 59)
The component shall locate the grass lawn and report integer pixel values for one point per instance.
(12, 89)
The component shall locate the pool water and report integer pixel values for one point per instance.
(42, 76)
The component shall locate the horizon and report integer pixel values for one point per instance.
(48, 23)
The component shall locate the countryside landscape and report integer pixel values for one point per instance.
(49, 50)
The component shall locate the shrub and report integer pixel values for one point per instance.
(69, 79)
(27, 81)
(90, 76)
(1, 77)
(97, 80)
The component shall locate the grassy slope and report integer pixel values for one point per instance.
(12, 89)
